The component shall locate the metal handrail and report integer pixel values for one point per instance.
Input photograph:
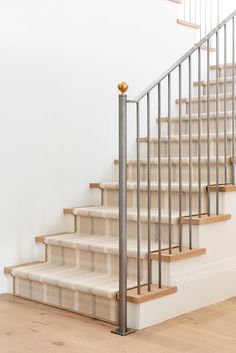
(182, 59)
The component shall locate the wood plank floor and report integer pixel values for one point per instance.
(30, 327)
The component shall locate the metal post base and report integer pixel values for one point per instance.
(117, 331)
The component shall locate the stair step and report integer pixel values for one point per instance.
(104, 244)
(188, 24)
(113, 213)
(145, 295)
(223, 188)
(176, 255)
(205, 219)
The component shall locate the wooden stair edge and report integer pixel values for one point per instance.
(205, 219)
(95, 185)
(223, 188)
(188, 24)
(145, 296)
(178, 255)
(8, 269)
(177, 1)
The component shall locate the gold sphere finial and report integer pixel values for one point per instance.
(123, 87)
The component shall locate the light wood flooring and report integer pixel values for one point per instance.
(30, 327)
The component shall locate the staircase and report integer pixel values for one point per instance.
(180, 217)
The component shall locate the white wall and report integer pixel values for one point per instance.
(60, 62)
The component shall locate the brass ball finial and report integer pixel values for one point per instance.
(123, 87)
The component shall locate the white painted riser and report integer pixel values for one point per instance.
(202, 280)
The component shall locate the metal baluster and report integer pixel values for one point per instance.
(218, 12)
(180, 161)
(199, 136)
(190, 152)
(205, 17)
(233, 99)
(225, 103)
(195, 9)
(159, 187)
(149, 193)
(208, 131)
(169, 165)
(138, 197)
(217, 122)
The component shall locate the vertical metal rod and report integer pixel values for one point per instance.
(217, 122)
(169, 165)
(195, 10)
(149, 193)
(225, 104)
(122, 213)
(218, 12)
(190, 152)
(199, 136)
(138, 197)
(159, 187)
(180, 162)
(208, 131)
(233, 100)
(206, 16)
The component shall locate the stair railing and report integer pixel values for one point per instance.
(205, 13)
(178, 164)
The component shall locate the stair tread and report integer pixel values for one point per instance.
(204, 98)
(185, 137)
(77, 279)
(101, 243)
(174, 160)
(113, 213)
(114, 185)
(195, 116)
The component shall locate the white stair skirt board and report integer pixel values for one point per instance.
(200, 281)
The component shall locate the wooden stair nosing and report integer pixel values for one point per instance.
(155, 293)
(177, 255)
(223, 188)
(177, 1)
(188, 24)
(205, 219)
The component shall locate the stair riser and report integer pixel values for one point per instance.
(185, 126)
(213, 88)
(212, 106)
(229, 72)
(109, 226)
(82, 303)
(94, 261)
(175, 173)
(111, 199)
(185, 148)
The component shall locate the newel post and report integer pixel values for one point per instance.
(122, 329)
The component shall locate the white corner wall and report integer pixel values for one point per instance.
(60, 62)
